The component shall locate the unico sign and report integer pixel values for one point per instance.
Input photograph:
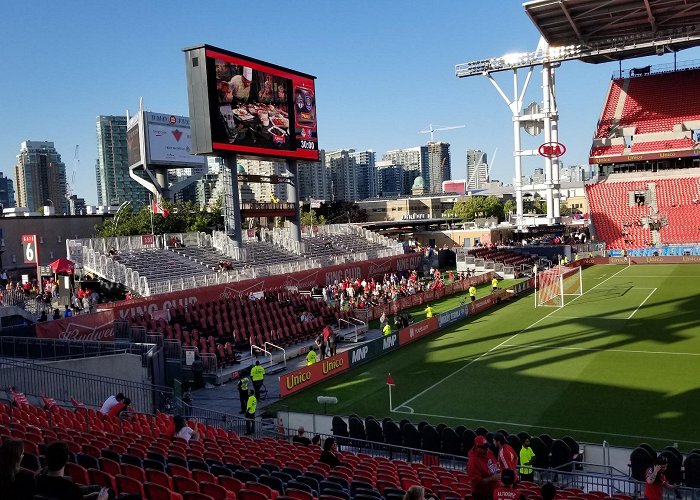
(552, 149)
(313, 374)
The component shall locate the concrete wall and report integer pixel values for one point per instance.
(122, 366)
(458, 237)
(83, 385)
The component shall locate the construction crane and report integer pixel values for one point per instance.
(432, 130)
(71, 183)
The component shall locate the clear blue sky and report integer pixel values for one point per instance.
(385, 71)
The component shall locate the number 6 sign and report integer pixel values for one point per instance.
(29, 248)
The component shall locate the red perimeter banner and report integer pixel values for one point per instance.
(481, 304)
(302, 280)
(418, 330)
(313, 374)
(96, 326)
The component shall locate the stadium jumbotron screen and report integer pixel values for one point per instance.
(244, 106)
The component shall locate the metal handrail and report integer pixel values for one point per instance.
(351, 324)
(260, 349)
(284, 352)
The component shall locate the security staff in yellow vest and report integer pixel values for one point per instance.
(311, 357)
(243, 388)
(428, 312)
(386, 330)
(251, 406)
(472, 293)
(257, 373)
(494, 284)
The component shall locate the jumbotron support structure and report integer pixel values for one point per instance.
(592, 32)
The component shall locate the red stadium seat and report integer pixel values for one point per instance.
(129, 485)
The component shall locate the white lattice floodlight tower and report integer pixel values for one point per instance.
(537, 119)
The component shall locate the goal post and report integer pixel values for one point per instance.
(554, 287)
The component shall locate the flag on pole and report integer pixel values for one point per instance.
(390, 380)
(158, 208)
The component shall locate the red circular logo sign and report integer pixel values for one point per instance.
(173, 119)
(552, 149)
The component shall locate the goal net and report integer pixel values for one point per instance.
(555, 287)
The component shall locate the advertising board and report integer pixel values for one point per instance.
(373, 349)
(417, 330)
(170, 140)
(241, 105)
(95, 327)
(309, 375)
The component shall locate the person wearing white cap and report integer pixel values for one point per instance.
(240, 85)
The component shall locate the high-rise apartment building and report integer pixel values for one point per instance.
(439, 167)
(389, 178)
(40, 176)
(7, 192)
(413, 162)
(477, 169)
(366, 173)
(343, 177)
(314, 179)
(114, 185)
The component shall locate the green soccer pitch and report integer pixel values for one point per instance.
(620, 363)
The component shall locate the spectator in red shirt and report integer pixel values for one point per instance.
(507, 458)
(483, 473)
(120, 407)
(656, 479)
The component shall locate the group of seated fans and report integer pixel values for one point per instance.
(362, 293)
(52, 452)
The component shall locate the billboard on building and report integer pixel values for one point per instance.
(170, 140)
(240, 105)
(163, 139)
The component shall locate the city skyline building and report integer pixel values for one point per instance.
(343, 176)
(439, 166)
(114, 185)
(40, 177)
(366, 173)
(389, 178)
(7, 192)
(413, 163)
(314, 179)
(477, 169)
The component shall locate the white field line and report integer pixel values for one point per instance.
(503, 343)
(640, 305)
(602, 349)
(530, 426)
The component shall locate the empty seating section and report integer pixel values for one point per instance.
(335, 244)
(222, 326)
(160, 265)
(208, 257)
(618, 225)
(668, 145)
(503, 256)
(615, 222)
(615, 149)
(679, 200)
(606, 120)
(656, 103)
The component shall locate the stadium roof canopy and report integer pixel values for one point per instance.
(631, 28)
